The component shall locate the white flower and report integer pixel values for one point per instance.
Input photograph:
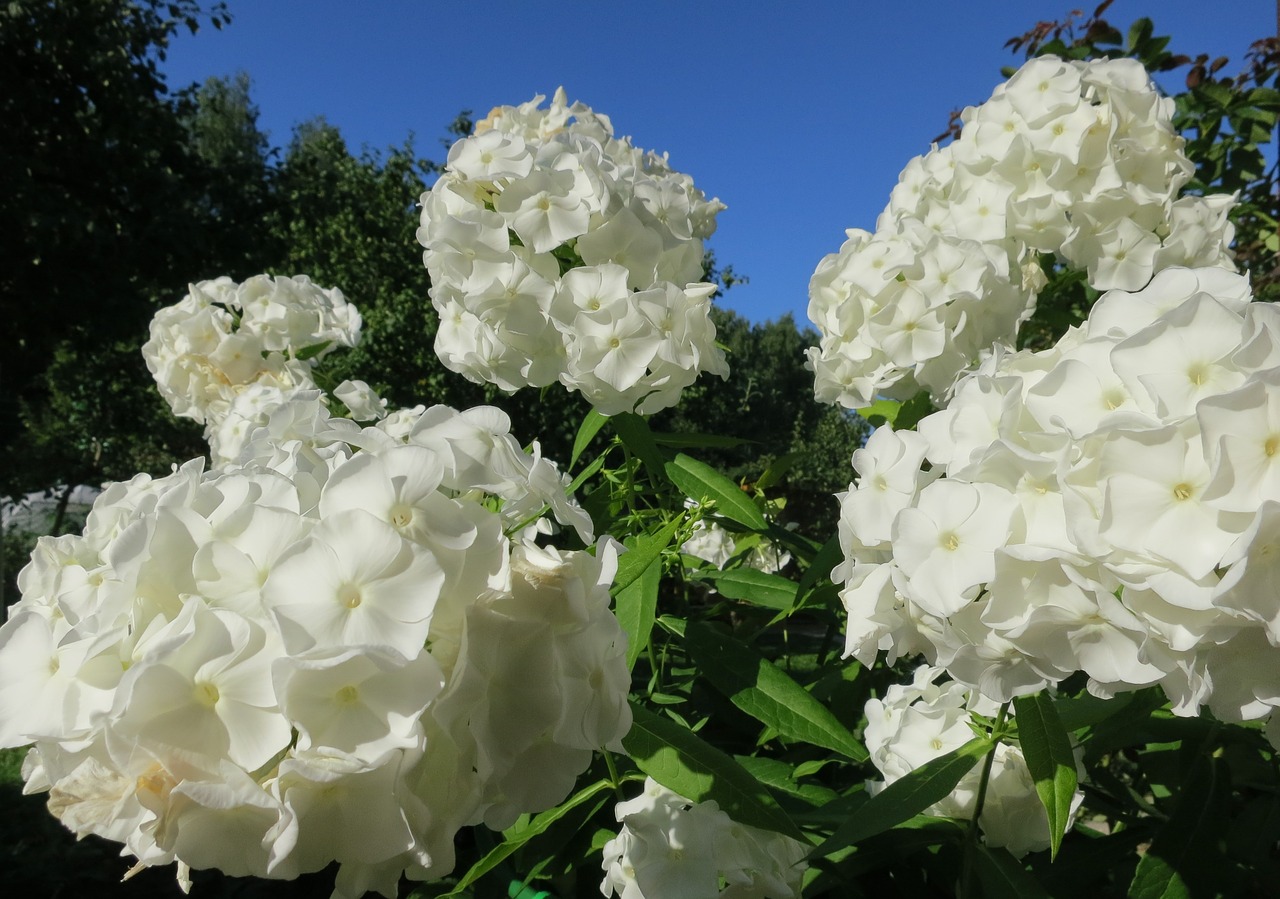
(550, 244)
(320, 652)
(1076, 160)
(914, 724)
(1099, 506)
(670, 847)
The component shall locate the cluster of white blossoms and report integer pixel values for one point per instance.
(1110, 505)
(558, 252)
(346, 647)
(672, 848)
(917, 723)
(1074, 160)
(712, 542)
(227, 354)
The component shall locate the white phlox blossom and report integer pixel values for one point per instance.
(916, 723)
(711, 542)
(1071, 161)
(558, 252)
(672, 848)
(345, 647)
(1107, 505)
(228, 354)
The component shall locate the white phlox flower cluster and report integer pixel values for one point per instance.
(672, 848)
(346, 647)
(916, 723)
(1068, 160)
(711, 542)
(227, 354)
(1110, 505)
(558, 252)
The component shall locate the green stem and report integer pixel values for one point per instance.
(630, 482)
(613, 774)
(971, 839)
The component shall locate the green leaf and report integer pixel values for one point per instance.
(518, 838)
(701, 482)
(636, 605)
(695, 439)
(590, 426)
(901, 416)
(681, 761)
(909, 796)
(749, 585)
(636, 436)
(310, 352)
(827, 558)
(880, 412)
(1003, 876)
(1156, 879)
(779, 467)
(766, 692)
(1139, 33)
(592, 467)
(1052, 764)
(913, 410)
(641, 553)
(781, 778)
(1184, 858)
(1077, 712)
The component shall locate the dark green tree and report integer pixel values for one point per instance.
(94, 205)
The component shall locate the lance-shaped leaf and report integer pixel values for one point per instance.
(641, 553)
(820, 566)
(908, 796)
(767, 693)
(1047, 749)
(518, 837)
(1002, 876)
(699, 440)
(682, 761)
(636, 605)
(701, 482)
(636, 436)
(758, 587)
(590, 426)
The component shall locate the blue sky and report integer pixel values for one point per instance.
(799, 116)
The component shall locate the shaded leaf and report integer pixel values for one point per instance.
(636, 436)
(517, 838)
(1003, 876)
(909, 796)
(827, 558)
(682, 761)
(767, 693)
(695, 439)
(1183, 860)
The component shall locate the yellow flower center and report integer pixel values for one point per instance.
(349, 596)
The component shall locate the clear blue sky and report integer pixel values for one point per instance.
(799, 116)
